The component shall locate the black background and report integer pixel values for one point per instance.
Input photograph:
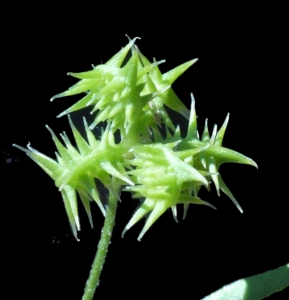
(237, 71)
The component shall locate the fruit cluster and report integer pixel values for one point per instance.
(152, 160)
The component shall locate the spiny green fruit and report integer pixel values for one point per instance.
(75, 169)
(163, 170)
(211, 158)
(128, 96)
(173, 172)
(161, 178)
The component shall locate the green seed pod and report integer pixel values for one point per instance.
(130, 97)
(211, 158)
(161, 175)
(74, 170)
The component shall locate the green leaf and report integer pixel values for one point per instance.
(254, 287)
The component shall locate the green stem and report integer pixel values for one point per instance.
(93, 279)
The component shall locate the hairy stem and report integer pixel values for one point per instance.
(93, 279)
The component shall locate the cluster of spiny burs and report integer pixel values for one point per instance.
(152, 160)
